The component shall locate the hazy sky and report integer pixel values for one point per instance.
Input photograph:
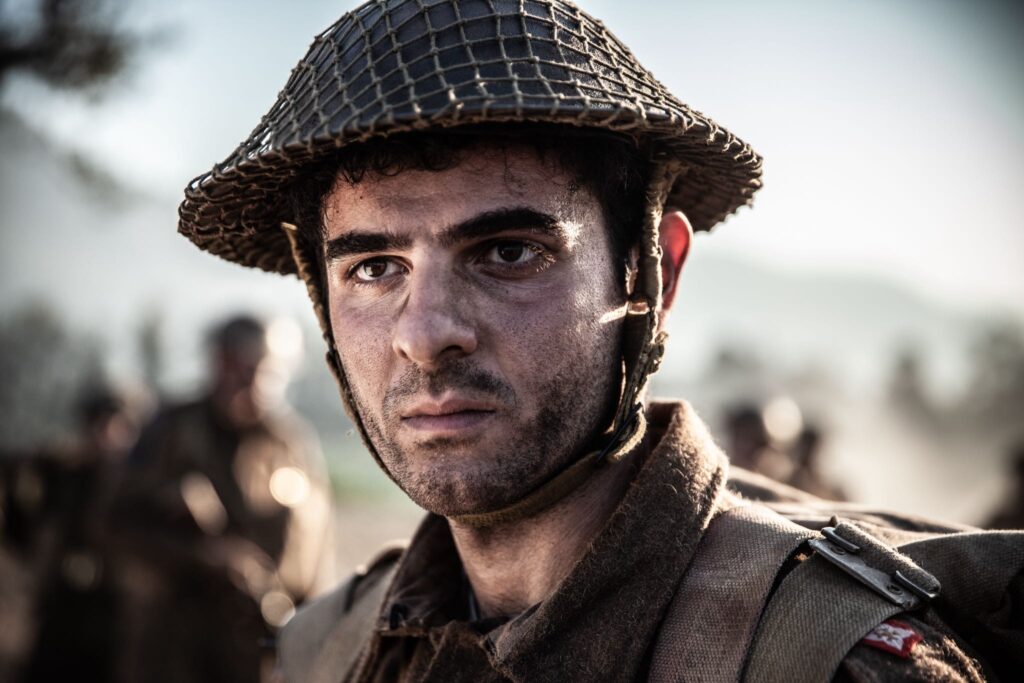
(892, 131)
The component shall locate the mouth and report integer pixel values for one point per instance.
(448, 417)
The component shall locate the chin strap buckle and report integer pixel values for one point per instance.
(622, 434)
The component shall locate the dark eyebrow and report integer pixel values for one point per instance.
(363, 243)
(500, 220)
(481, 225)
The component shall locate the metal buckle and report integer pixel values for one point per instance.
(900, 578)
(616, 439)
(830, 533)
(897, 589)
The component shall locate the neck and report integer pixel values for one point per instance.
(515, 565)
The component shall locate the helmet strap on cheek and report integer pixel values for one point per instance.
(643, 344)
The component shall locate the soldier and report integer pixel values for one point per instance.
(490, 203)
(752, 446)
(222, 521)
(807, 473)
(795, 461)
(53, 511)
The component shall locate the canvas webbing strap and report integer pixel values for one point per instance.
(811, 623)
(819, 612)
(711, 621)
(326, 640)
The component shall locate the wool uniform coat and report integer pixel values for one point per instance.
(603, 621)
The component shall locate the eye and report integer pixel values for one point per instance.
(374, 269)
(511, 252)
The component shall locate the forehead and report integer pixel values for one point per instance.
(482, 179)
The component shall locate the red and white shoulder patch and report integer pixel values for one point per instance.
(894, 637)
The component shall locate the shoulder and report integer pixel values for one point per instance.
(337, 623)
(754, 486)
(831, 598)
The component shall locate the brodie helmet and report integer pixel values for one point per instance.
(395, 66)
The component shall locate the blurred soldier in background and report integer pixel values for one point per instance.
(751, 445)
(774, 442)
(54, 506)
(224, 514)
(1011, 513)
(807, 474)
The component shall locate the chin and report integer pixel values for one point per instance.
(447, 492)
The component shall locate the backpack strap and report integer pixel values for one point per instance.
(852, 583)
(711, 621)
(323, 642)
(982, 575)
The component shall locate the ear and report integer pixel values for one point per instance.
(674, 235)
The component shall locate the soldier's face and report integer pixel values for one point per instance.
(478, 319)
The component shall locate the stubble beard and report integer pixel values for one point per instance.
(575, 405)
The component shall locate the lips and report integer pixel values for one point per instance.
(449, 416)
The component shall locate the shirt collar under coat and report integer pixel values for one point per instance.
(601, 621)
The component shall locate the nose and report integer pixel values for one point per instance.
(433, 324)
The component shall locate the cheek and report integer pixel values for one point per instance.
(363, 340)
(540, 338)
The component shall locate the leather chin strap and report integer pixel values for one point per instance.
(643, 347)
